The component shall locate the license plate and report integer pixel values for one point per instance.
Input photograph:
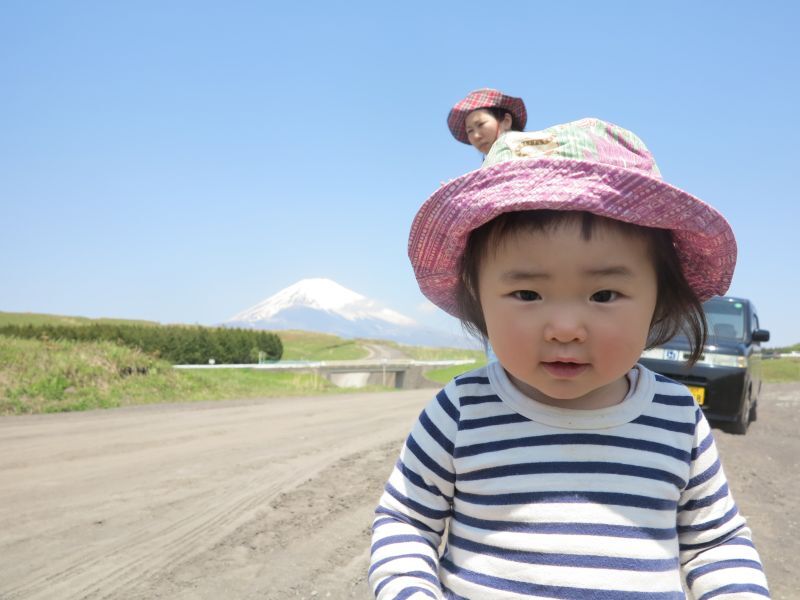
(698, 393)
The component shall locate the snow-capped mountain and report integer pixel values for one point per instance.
(324, 295)
(326, 306)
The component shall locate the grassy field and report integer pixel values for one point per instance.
(7, 318)
(781, 370)
(427, 353)
(304, 345)
(57, 376)
(445, 374)
(60, 376)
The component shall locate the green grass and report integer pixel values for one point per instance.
(428, 353)
(60, 376)
(11, 318)
(777, 370)
(54, 376)
(304, 345)
(445, 374)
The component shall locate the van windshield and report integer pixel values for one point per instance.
(725, 318)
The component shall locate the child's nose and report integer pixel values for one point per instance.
(565, 328)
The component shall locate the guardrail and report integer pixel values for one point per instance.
(392, 372)
(378, 363)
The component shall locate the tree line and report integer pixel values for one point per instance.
(177, 344)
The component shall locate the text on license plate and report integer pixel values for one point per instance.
(698, 393)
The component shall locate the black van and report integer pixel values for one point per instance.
(726, 381)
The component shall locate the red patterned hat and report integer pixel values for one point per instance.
(484, 98)
(586, 165)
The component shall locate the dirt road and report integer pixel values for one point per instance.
(269, 499)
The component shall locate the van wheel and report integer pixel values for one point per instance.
(739, 426)
(754, 412)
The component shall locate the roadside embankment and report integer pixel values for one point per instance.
(43, 376)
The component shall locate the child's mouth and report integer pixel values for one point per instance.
(564, 370)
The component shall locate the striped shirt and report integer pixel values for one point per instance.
(537, 501)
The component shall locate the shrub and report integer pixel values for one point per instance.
(173, 343)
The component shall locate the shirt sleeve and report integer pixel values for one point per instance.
(411, 517)
(717, 553)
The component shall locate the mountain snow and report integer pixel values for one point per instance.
(325, 295)
(326, 306)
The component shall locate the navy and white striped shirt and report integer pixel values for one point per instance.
(624, 502)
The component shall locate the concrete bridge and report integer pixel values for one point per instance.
(401, 373)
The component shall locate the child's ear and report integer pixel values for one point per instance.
(505, 123)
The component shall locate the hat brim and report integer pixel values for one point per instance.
(704, 240)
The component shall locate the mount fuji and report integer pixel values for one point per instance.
(328, 307)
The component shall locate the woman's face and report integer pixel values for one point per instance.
(483, 128)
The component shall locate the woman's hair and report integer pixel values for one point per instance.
(500, 113)
(677, 307)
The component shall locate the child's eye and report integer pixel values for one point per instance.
(526, 295)
(605, 296)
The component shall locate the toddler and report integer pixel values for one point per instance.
(565, 469)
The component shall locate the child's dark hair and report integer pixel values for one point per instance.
(677, 307)
(500, 113)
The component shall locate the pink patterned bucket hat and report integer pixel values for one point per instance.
(484, 98)
(587, 165)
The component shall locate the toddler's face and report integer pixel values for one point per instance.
(483, 128)
(569, 317)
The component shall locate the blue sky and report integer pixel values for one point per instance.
(181, 161)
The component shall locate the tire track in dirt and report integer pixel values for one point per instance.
(145, 553)
(325, 520)
(245, 476)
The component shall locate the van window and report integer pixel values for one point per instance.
(726, 318)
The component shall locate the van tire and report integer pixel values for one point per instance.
(739, 426)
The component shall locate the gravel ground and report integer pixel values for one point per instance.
(269, 499)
